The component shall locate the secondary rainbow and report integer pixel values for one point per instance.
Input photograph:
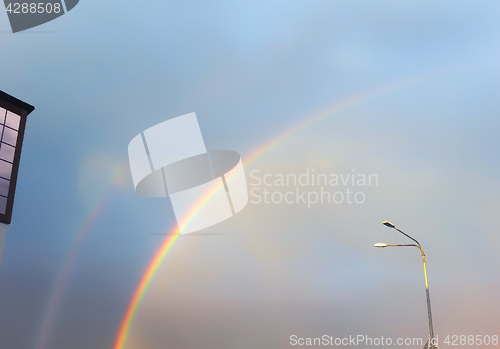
(94, 211)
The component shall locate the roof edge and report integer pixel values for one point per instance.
(16, 102)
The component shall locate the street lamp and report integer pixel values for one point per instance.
(13, 114)
(430, 341)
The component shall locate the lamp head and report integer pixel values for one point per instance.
(388, 224)
(379, 244)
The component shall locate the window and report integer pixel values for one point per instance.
(12, 120)
(4, 187)
(3, 204)
(2, 115)
(9, 126)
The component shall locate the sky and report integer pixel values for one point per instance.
(424, 78)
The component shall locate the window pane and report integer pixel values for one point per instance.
(7, 152)
(5, 169)
(4, 187)
(2, 115)
(12, 120)
(3, 204)
(9, 136)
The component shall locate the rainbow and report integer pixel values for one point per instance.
(63, 274)
(93, 213)
(158, 258)
(173, 235)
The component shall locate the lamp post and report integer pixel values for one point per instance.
(13, 114)
(430, 341)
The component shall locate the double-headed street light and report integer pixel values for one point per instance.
(430, 341)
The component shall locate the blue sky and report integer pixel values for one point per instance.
(104, 72)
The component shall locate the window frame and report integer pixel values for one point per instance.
(22, 109)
